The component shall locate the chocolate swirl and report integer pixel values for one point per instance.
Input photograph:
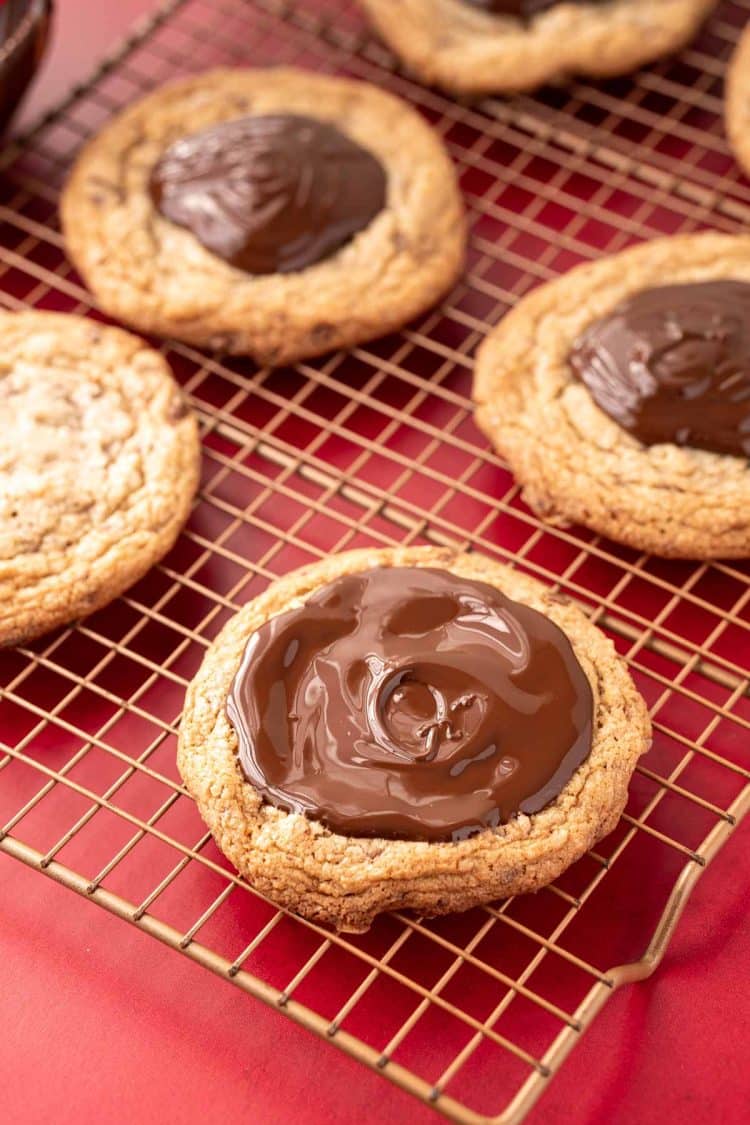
(672, 364)
(407, 702)
(271, 194)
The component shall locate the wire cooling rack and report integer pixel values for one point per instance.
(476, 1012)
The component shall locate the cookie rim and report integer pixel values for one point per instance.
(737, 101)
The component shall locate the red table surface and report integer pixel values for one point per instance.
(101, 1023)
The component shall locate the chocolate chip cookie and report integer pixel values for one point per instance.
(99, 462)
(738, 101)
(620, 396)
(274, 213)
(500, 46)
(408, 728)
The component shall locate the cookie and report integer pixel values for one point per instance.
(738, 101)
(506, 46)
(99, 462)
(274, 213)
(316, 864)
(661, 467)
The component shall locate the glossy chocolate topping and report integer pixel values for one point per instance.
(407, 702)
(270, 194)
(522, 9)
(673, 365)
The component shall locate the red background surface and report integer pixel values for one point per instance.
(100, 1023)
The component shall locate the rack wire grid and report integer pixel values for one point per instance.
(473, 1013)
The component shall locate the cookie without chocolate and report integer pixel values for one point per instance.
(156, 275)
(461, 47)
(738, 101)
(575, 462)
(346, 880)
(99, 462)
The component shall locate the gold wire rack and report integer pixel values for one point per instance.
(473, 1013)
